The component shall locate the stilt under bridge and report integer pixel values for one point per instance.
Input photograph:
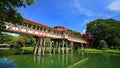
(61, 39)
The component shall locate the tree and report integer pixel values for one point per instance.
(75, 32)
(8, 12)
(106, 29)
(24, 40)
(116, 41)
(103, 44)
(5, 38)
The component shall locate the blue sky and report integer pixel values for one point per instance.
(72, 14)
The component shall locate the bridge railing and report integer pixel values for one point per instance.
(44, 33)
(24, 29)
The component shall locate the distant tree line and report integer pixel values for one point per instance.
(104, 31)
(75, 32)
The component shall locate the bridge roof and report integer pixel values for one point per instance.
(54, 29)
(42, 25)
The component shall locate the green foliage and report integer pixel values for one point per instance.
(75, 32)
(24, 40)
(47, 40)
(116, 41)
(27, 50)
(89, 51)
(8, 12)
(103, 44)
(107, 29)
(112, 51)
(5, 38)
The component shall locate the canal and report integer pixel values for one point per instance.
(71, 60)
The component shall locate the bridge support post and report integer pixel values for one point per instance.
(66, 46)
(71, 44)
(50, 47)
(40, 47)
(63, 42)
(78, 47)
(54, 47)
(82, 46)
(36, 46)
(59, 47)
(35, 49)
(43, 48)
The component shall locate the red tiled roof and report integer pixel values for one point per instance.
(36, 23)
(41, 25)
(45, 26)
(60, 27)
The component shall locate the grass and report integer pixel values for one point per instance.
(111, 51)
(90, 50)
(27, 48)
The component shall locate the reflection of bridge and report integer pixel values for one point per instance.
(58, 34)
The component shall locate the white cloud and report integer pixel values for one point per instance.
(81, 9)
(87, 20)
(76, 5)
(84, 31)
(115, 5)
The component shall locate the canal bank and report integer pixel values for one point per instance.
(108, 51)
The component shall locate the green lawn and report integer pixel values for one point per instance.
(111, 51)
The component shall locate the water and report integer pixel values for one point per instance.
(60, 61)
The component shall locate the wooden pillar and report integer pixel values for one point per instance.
(72, 47)
(63, 42)
(45, 45)
(78, 46)
(59, 46)
(82, 46)
(54, 45)
(40, 47)
(36, 46)
(66, 46)
(50, 47)
(43, 48)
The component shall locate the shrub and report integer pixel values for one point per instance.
(103, 44)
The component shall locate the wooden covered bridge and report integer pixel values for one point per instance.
(57, 34)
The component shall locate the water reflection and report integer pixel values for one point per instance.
(55, 60)
(60, 61)
(6, 63)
